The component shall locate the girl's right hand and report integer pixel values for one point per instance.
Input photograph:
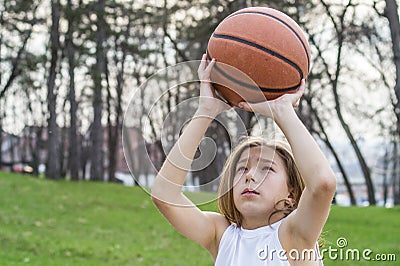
(277, 108)
(209, 103)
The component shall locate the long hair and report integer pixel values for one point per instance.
(294, 180)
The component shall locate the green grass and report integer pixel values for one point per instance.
(44, 222)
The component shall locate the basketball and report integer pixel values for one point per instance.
(261, 53)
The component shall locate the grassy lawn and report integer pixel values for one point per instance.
(44, 222)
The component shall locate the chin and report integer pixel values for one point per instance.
(249, 209)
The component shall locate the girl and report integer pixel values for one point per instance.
(269, 215)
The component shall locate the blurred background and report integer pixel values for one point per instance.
(68, 70)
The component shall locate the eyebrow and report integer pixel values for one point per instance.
(260, 159)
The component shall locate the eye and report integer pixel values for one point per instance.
(267, 168)
(241, 169)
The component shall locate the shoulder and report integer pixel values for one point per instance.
(289, 236)
(290, 240)
(221, 224)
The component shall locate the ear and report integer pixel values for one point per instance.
(291, 193)
(291, 201)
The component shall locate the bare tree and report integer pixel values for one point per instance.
(74, 150)
(53, 167)
(395, 174)
(333, 74)
(392, 15)
(14, 26)
(96, 162)
(323, 135)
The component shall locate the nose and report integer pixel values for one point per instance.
(250, 176)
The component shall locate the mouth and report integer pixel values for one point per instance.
(249, 192)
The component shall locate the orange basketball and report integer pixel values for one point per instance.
(260, 53)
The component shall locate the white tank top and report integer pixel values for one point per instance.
(260, 246)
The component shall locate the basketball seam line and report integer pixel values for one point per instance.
(283, 22)
(244, 84)
(262, 48)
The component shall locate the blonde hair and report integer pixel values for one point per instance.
(294, 180)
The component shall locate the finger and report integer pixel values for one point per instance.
(302, 87)
(210, 65)
(202, 65)
(300, 91)
(245, 106)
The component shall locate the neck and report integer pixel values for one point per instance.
(251, 223)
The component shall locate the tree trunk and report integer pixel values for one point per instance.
(334, 79)
(395, 175)
(63, 165)
(335, 155)
(385, 173)
(15, 67)
(364, 167)
(115, 131)
(36, 149)
(85, 156)
(74, 150)
(1, 79)
(244, 123)
(96, 162)
(111, 138)
(1, 134)
(208, 173)
(16, 71)
(394, 25)
(53, 167)
(112, 135)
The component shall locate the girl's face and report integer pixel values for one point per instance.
(259, 182)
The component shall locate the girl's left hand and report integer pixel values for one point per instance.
(275, 107)
(209, 102)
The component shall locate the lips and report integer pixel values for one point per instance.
(248, 192)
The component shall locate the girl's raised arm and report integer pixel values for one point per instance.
(304, 225)
(167, 195)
